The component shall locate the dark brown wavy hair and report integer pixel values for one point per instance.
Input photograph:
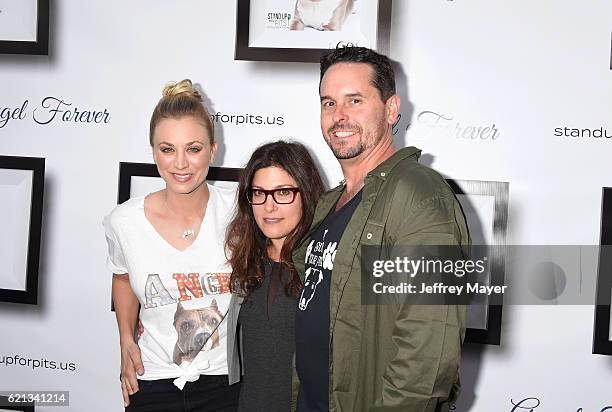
(245, 242)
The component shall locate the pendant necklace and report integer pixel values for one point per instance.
(187, 233)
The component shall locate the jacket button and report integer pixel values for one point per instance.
(383, 174)
(369, 236)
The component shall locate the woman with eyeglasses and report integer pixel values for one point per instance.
(277, 196)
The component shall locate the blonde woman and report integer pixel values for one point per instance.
(167, 255)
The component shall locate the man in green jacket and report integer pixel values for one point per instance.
(351, 356)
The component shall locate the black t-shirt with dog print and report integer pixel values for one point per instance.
(312, 317)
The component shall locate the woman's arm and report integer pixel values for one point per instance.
(126, 310)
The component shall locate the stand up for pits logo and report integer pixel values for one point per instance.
(278, 20)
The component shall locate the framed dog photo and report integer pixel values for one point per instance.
(21, 209)
(24, 26)
(301, 30)
(602, 337)
(140, 179)
(485, 205)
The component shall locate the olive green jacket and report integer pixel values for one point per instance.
(392, 357)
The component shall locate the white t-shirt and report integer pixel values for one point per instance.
(184, 296)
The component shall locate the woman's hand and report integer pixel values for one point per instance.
(131, 366)
(126, 310)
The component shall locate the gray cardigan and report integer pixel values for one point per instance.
(234, 369)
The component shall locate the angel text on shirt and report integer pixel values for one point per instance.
(156, 294)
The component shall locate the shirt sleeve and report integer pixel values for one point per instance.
(428, 338)
(115, 261)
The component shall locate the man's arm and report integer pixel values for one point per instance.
(427, 338)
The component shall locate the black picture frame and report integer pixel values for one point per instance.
(40, 46)
(491, 335)
(37, 166)
(12, 406)
(128, 170)
(245, 52)
(602, 344)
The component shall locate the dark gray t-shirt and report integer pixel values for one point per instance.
(268, 346)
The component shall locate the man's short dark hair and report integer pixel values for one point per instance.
(384, 76)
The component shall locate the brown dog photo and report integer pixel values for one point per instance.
(197, 330)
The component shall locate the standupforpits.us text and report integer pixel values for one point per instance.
(248, 119)
(597, 133)
(39, 363)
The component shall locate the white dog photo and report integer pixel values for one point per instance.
(323, 15)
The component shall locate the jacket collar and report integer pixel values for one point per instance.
(381, 172)
(383, 169)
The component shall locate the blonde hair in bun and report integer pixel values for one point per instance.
(172, 89)
(180, 99)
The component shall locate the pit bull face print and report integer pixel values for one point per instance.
(197, 330)
(312, 280)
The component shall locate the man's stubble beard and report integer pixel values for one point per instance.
(343, 153)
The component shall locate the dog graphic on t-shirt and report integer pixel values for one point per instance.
(197, 330)
(317, 255)
(312, 279)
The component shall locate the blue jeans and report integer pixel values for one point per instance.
(209, 393)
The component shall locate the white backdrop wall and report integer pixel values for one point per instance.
(522, 67)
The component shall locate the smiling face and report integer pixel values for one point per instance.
(182, 152)
(276, 221)
(354, 119)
